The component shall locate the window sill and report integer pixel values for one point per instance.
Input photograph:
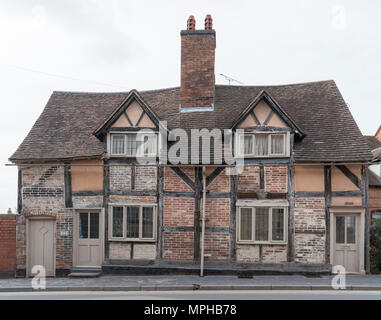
(282, 243)
(261, 157)
(132, 240)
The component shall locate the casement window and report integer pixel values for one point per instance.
(133, 223)
(262, 225)
(263, 144)
(134, 145)
(376, 216)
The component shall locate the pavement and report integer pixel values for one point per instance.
(219, 295)
(186, 283)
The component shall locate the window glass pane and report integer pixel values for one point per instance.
(132, 144)
(83, 225)
(248, 144)
(351, 229)
(246, 224)
(375, 216)
(147, 222)
(261, 224)
(149, 145)
(132, 222)
(278, 224)
(277, 144)
(94, 225)
(117, 144)
(261, 144)
(117, 222)
(340, 229)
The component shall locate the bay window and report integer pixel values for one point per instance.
(133, 222)
(134, 144)
(261, 225)
(263, 144)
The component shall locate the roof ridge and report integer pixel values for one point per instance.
(278, 85)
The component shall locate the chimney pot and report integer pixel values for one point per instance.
(208, 22)
(191, 23)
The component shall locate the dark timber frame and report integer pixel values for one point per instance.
(19, 191)
(68, 190)
(351, 176)
(328, 202)
(275, 108)
(365, 204)
(133, 96)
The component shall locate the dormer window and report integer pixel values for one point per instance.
(134, 144)
(263, 144)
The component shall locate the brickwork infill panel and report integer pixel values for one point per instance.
(172, 182)
(178, 211)
(276, 179)
(120, 178)
(310, 227)
(249, 180)
(217, 212)
(217, 245)
(221, 183)
(146, 178)
(178, 246)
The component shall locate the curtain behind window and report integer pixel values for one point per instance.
(261, 144)
(248, 144)
(277, 144)
(132, 144)
(261, 224)
(245, 224)
(132, 222)
(118, 144)
(277, 224)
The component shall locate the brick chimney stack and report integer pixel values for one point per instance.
(197, 66)
(208, 22)
(191, 23)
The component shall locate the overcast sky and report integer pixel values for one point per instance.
(94, 45)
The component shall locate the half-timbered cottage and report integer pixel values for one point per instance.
(293, 196)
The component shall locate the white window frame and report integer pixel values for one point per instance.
(269, 241)
(112, 143)
(124, 235)
(286, 144)
(140, 151)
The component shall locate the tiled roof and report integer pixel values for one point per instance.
(374, 179)
(373, 142)
(65, 127)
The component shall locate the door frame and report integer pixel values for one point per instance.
(28, 246)
(361, 234)
(101, 233)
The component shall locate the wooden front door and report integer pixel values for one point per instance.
(88, 239)
(41, 245)
(346, 249)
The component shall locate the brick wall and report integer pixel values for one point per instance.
(221, 183)
(310, 227)
(178, 246)
(7, 244)
(172, 182)
(249, 180)
(276, 179)
(178, 211)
